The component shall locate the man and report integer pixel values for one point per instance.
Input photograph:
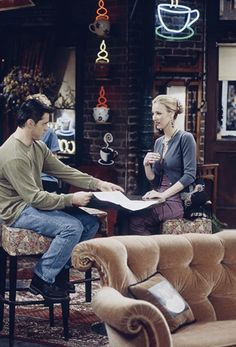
(24, 203)
(50, 183)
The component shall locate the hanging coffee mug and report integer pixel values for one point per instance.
(100, 27)
(101, 114)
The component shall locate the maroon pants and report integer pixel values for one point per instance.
(147, 222)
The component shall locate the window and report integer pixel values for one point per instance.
(227, 10)
(64, 118)
(226, 126)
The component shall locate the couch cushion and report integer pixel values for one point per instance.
(160, 292)
(206, 334)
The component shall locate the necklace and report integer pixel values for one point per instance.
(165, 142)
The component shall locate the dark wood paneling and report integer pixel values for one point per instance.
(219, 151)
(226, 181)
(226, 202)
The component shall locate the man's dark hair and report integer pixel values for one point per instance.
(32, 109)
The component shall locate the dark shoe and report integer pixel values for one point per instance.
(47, 290)
(68, 287)
(62, 281)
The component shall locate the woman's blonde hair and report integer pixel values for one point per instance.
(172, 104)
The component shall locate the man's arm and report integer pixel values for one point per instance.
(56, 168)
(19, 175)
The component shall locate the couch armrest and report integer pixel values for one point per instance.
(132, 317)
(107, 255)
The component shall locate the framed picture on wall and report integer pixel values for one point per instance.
(14, 4)
(227, 10)
(228, 126)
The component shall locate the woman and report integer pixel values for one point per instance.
(170, 168)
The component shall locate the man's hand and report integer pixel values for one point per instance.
(81, 198)
(109, 187)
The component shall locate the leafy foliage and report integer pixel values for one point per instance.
(19, 84)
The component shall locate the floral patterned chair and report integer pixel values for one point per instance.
(209, 172)
(15, 242)
(183, 226)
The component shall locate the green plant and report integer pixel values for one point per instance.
(19, 84)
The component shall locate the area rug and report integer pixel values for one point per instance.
(32, 322)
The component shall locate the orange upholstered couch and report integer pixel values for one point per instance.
(201, 267)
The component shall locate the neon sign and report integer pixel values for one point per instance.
(102, 100)
(102, 55)
(176, 21)
(102, 11)
(67, 147)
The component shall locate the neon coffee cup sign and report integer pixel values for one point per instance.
(176, 21)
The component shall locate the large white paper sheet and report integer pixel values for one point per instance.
(119, 198)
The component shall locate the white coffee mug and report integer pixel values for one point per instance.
(100, 27)
(65, 124)
(101, 114)
(176, 19)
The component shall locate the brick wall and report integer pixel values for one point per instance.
(133, 52)
(188, 55)
(128, 91)
(125, 91)
(116, 89)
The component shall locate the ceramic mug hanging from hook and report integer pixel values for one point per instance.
(101, 25)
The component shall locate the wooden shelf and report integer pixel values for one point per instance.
(103, 123)
(103, 78)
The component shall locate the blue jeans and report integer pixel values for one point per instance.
(67, 228)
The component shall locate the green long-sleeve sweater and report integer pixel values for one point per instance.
(20, 179)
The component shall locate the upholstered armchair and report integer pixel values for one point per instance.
(201, 268)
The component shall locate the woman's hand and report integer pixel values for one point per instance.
(150, 158)
(153, 194)
(109, 187)
(81, 198)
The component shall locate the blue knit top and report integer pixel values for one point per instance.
(179, 163)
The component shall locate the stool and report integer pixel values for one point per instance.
(182, 226)
(15, 242)
(209, 172)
